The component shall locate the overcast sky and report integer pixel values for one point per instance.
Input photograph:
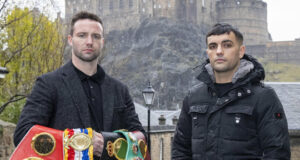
(284, 19)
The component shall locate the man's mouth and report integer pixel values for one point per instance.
(220, 60)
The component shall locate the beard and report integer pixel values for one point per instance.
(226, 68)
(88, 57)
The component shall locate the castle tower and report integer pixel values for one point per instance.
(250, 16)
(201, 12)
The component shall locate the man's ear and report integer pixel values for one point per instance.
(242, 51)
(70, 40)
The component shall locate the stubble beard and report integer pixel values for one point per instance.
(91, 58)
(226, 68)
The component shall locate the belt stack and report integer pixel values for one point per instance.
(43, 143)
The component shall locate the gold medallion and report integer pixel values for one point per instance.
(143, 147)
(43, 144)
(110, 149)
(80, 141)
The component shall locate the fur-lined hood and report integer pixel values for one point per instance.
(250, 70)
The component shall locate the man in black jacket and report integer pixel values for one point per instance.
(80, 94)
(231, 114)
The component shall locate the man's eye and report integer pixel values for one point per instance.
(97, 36)
(81, 35)
(227, 45)
(212, 47)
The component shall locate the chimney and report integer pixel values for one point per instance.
(175, 120)
(162, 120)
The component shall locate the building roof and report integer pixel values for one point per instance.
(288, 93)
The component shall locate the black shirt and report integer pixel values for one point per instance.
(222, 88)
(92, 89)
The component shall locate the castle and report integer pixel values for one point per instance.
(250, 16)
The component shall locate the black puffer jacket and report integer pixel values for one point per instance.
(247, 123)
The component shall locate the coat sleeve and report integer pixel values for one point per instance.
(132, 122)
(273, 128)
(37, 110)
(181, 147)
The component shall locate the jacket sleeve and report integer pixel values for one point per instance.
(181, 148)
(132, 122)
(37, 110)
(272, 127)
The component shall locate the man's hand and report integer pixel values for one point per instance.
(98, 143)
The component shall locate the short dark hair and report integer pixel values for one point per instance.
(221, 28)
(84, 15)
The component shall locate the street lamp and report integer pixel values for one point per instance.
(3, 72)
(148, 94)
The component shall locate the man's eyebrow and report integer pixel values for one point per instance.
(212, 43)
(227, 40)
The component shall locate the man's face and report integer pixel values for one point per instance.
(87, 40)
(224, 53)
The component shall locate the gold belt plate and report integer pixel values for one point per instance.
(80, 141)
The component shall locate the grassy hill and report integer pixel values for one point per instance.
(281, 72)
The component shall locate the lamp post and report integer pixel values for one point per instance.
(148, 94)
(3, 72)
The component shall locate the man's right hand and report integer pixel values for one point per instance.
(98, 143)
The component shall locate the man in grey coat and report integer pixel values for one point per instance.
(80, 94)
(231, 114)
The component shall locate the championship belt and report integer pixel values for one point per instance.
(43, 143)
(123, 145)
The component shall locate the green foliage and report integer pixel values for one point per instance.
(31, 45)
(12, 112)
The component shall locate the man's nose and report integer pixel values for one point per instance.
(89, 40)
(219, 50)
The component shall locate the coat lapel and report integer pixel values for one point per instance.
(75, 88)
(108, 103)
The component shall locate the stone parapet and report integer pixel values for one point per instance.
(6, 139)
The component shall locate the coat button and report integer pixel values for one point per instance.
(248, 91)
(239, 94)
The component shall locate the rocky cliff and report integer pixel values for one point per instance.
(161, 51)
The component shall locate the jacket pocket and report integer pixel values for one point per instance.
(238, 123)
(198, 114)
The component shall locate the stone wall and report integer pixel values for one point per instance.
(6, 139)
(277, 52)
(295, 144)
(161, 141)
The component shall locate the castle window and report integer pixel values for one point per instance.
(111, 4)
(130, 3)
(203, 3)
(121, 4)
(191, 1)
(161, 149)
(154, 6)
(238, 2)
